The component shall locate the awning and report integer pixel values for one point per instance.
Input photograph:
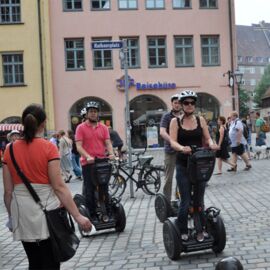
(9, 127)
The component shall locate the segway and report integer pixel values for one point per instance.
(110, 213)
(200, 168)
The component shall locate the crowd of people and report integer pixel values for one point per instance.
(50, 164)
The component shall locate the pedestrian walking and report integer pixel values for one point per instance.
(39, 160)
(223, 142)
(238, 142)
(116, 141)
(260, 135)
(170, 153)
(65, 146)
(75, 156)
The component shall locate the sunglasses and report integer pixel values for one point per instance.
(186, 103)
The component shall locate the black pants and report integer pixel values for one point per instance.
(89, 189)
(40, 255)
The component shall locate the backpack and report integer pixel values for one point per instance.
(245, 131)
(265, 127)
(226, 138)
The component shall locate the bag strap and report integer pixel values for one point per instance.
(24, 178)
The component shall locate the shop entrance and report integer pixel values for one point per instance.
(145, 115)
(105, 114)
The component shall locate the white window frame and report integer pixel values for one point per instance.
(73, 8)
(207, 6)
(75, 50)
(210, 47)
(131, 49)
(155, 4)
(100, 5)
(102, 56)
(7, 10)
(128, 3)
(157, 49)
(13, 69)
(183, 47)
(181, 4)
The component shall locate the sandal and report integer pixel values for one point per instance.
(248, 167)
(233, 169)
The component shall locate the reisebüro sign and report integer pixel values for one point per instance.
(145, 86)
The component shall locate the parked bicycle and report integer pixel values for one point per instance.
(149, 175)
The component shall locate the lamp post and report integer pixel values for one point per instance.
(234, 77)
(238, 75)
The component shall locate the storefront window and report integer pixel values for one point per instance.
(208, 107)
(105, 114)
(145, 115)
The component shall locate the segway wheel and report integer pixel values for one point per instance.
(217, 229)
(84, 212)
(172, 242)
(79, 200)
(162, 207)
(120, 216)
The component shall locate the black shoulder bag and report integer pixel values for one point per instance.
(61, 228)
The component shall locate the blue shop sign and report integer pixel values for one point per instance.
(145, 86)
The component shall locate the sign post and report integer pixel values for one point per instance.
(122, 45)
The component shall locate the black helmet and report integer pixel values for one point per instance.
(92, 104)
(229, 263)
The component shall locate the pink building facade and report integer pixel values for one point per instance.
(172, 46)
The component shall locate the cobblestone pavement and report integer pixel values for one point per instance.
(243, 198)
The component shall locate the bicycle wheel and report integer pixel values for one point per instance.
(152, 182)
(117, 185)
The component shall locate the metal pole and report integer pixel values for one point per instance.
(127, 122)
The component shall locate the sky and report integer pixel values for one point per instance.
(251, 11)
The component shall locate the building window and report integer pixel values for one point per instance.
(10, 11)
(13, 69)
(133, 54)
(102, 58)
(72, 5)
(100, 4)
(183, 51)
(127, 4)
(252, 82)
(210, 50)
(252, 70)
(240, 59)
(268, 59)
(262, 70)
(259, 59)
(155, 4)
(157, 51)
(181, 3)
(208, 3)
(74, 54)
(249, 59)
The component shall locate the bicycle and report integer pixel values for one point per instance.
(149, 176)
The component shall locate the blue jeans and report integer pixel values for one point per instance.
(75, 160)
(186, 188)
(261, 140)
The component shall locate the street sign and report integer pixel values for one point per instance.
(106, 45)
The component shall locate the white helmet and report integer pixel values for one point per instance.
(92, 104)
(187, 94)
(175, 96)
(83, 112)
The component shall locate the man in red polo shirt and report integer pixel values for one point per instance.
(92, 141)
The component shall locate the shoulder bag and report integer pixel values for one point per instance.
(61, 228)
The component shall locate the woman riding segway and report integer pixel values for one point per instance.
(185, 131)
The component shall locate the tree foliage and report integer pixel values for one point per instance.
(243, 102)
(262, 86)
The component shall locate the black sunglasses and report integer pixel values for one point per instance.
(186, 103)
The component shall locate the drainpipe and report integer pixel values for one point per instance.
(232, 52)
(41, 55)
